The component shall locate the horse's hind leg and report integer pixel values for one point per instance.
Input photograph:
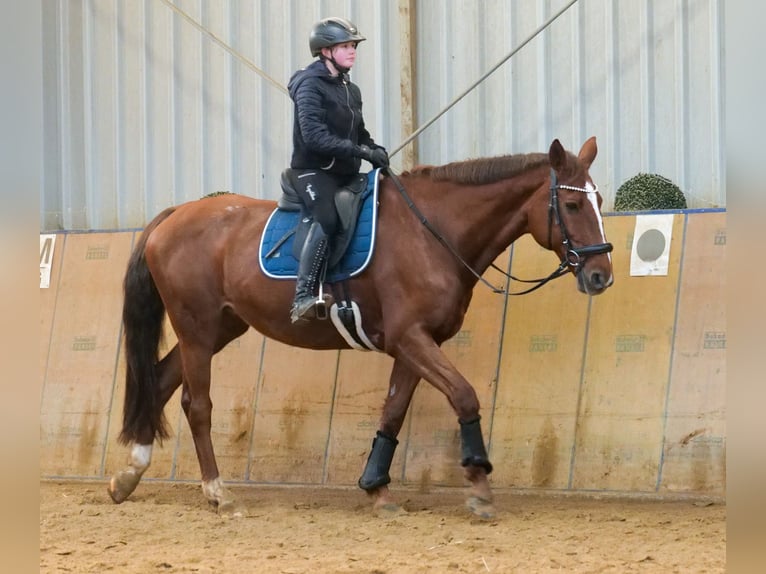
(125, 481)
(375, 477)
(198, 414)
(197, 406)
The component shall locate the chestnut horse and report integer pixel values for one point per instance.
(439, 229)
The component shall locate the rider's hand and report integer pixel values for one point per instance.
(377, 157)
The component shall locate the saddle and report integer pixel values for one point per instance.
(285, 233)
(348, 203)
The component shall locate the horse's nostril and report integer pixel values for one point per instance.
(597, 281)
(601, 281)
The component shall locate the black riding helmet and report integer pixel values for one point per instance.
(331, 31)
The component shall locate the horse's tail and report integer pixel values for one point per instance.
(143, 313)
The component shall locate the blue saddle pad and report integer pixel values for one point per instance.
(282, 265)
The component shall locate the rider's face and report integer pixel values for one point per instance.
(344, 54)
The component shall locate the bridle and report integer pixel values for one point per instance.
(573, 257)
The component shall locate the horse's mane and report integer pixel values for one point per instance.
(483, 170)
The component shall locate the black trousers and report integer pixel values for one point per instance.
(317, 190)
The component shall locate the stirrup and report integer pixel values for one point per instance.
(310, 308)
(320, 306)
(320, 309)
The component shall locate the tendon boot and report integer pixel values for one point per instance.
(309, 268)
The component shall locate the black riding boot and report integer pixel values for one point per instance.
(309, 267)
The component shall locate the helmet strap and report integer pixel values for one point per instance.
(341, 69)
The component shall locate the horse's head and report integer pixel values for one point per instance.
(567, 218)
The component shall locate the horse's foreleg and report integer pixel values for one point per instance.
(426, 358)
(477, 466)
(125, 481)
(375, 477)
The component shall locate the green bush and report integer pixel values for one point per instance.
(648, 191)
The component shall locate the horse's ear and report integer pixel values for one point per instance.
(588, 151)
(557, 155)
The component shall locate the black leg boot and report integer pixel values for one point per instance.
(378, 462)
(309, 267)
(474, 452)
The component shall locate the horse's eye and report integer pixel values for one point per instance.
(571, 206)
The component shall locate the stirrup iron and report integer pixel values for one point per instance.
(320, 306)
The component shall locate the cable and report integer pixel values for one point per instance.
(225, 46)
(422, 128)
(417, 132)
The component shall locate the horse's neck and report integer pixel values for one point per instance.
(484, 220)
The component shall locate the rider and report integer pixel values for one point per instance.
(329, 142)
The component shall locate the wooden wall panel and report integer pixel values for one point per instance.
(625, 391)
(48, 302)
(433, 442)
(625, 378)
(292, 414)
(695, 433)
(232, 389)
(79, 379)
(361, 390)
(536, 407)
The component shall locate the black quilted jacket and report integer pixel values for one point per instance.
(328, 126)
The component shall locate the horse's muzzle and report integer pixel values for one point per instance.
(591, 281)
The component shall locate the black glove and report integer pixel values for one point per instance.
(377, 157)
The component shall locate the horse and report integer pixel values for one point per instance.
(439, 229)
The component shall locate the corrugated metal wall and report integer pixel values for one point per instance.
(643, 76)
(143, 111)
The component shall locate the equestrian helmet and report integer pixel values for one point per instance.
(331, 31)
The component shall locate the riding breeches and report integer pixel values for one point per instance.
(317, 190)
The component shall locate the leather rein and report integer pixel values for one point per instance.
(573, 258)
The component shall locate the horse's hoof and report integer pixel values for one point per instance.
(388, 510)
(481, 508)
(230, 508)
(122, 485)
(115, 494)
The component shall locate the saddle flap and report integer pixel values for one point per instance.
(348, 204)
(348, 199)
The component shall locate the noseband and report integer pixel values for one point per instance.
(574, 256)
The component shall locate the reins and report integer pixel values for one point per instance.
(573, 257)
(435, 233)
